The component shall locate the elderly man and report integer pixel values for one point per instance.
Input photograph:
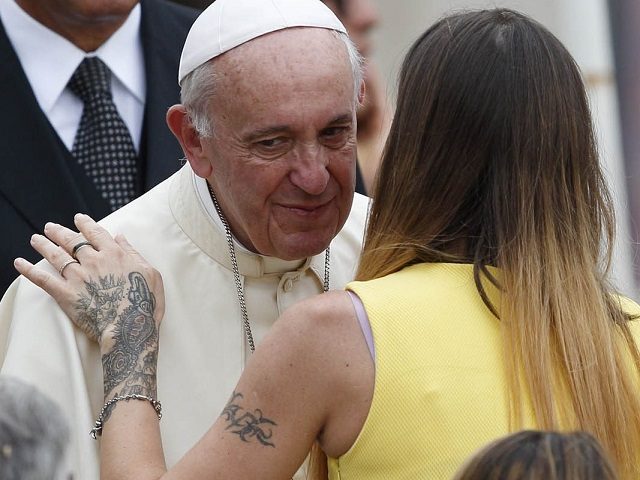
(57, 160)
(262, 215)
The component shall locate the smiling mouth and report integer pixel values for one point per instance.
(306, 210)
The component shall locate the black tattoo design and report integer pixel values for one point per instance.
(130, 365)
(99, 306)
(248, 425)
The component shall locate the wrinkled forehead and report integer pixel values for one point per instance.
(294, 78)
(303, 54)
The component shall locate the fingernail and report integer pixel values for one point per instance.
(19, 262)
(34, 237)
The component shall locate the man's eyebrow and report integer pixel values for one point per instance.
(265, 132)
(268, 131)
(343, 118)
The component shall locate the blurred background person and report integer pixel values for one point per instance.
(361, 17)
(33, 433)
(536, 455)
(85, 86)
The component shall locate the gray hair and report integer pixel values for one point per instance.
(198, 87)
(33, 433)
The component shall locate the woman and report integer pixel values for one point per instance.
(483, 281)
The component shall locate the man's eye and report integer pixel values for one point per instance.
(334, 131)
(271, 142)
(335, 137)
(270, 148)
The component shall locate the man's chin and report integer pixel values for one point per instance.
(302, 246)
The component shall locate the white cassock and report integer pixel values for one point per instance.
(202, 343)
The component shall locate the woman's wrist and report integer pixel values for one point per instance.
(126, 379)
(126, 372)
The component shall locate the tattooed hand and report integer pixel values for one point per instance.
(112, 294)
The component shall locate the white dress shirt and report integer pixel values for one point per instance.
(49, 60)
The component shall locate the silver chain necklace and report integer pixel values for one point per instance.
(236, 271)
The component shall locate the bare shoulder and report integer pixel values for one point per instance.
(311, 331)
(323, 338)
(328, 308)
(324, 322)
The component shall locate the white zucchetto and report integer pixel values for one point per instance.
(227, 24)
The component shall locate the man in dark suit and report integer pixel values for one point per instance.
(42, 42)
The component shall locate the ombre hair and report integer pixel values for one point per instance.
(491, 160)
(535, 455)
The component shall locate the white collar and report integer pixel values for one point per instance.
(44, 54)
(204, 196)
(192, 220)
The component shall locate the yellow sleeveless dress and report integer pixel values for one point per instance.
(440, 384)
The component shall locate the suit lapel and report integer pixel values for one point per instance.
(163, 29)
(39, 177)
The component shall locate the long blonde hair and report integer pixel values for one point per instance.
(491, 160)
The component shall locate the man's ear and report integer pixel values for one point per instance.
(362, 91)
(190, 140)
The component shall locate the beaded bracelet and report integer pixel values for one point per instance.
(96, 431)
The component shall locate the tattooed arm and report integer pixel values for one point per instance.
(116, 298)
(310, 378)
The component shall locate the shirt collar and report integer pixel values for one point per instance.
(194, 211)
(122, 53)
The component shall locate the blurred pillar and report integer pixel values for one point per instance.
(625, 23)
(584, 28)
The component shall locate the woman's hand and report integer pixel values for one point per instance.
(98, 281)
(110, 292)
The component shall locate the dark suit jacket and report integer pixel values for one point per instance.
(39, 179)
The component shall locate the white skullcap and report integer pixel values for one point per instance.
(227, 24)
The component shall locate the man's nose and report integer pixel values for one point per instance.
(310, 170)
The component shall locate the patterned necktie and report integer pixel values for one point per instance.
(103, 145)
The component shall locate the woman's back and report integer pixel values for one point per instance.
(441, 389)
(492, 161)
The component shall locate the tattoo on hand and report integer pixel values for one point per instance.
(248, 425)
(129, 367)
(99, 306)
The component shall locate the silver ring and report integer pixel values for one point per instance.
(66, 264)
(78, 246)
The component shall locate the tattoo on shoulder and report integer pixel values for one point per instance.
(248, 425)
